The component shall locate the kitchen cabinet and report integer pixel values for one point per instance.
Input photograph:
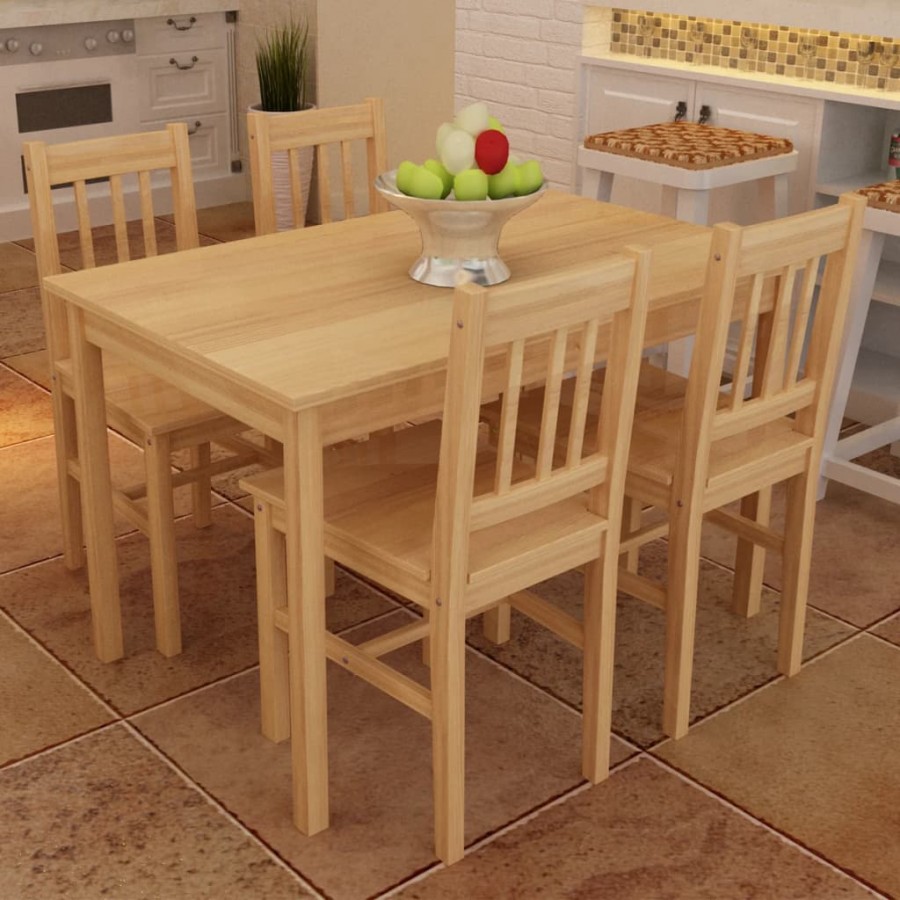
(613, 97)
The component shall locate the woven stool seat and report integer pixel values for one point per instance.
(688, 145)
(883, 196)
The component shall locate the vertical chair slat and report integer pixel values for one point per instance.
(296, 188)
(322, 162)
(801, 320)
(347, 177)
(85, 235)
(580, 401)
(773, 377)
(149, 226)
(120, 222)
(509, 416)
(552, 395)
(745, 349)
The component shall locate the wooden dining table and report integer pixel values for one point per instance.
(313, 336)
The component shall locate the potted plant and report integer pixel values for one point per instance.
(282, 65)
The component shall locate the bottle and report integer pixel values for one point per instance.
(894, 153)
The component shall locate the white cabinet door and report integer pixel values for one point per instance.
(183, 84)
(780, 115)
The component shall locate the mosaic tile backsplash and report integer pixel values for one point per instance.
(862, 60)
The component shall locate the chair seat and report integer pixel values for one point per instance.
(654, 444)
(689, 145)
(883, 196)
(380, 515)
(139, 404)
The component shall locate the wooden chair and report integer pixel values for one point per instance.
(456, 553)
(693, 458)
(156, 417)
(292, 133)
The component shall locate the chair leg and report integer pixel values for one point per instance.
(163, 559)
(496, 624)
(750, 558)
(271, 593)
(448, 718)
(681, 619)
(632, 514)
(201, 488)
(599, 653)
(800, 510)
(65, 434)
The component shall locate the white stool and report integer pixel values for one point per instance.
(688, 160)
(880, 220)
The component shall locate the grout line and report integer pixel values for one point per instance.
(761, 823)
(223, 810)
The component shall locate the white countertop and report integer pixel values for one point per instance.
(875, 17)
(21, 13)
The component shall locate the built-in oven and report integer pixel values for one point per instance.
(68, 82)
(61, 83)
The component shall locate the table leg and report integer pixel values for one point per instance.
(96, 492)
(305, 547)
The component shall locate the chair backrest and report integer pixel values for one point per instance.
(536, 331)
(75, 164)
(794, 342)
(320, 129)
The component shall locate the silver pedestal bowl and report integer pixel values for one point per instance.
(458, 236)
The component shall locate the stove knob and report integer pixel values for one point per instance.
(12, 45)
(36, 49)
(90, 43)
(127, 35)
(113, 37)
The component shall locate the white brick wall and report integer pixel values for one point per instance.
(519, 57)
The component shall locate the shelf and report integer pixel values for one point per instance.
(853, 182)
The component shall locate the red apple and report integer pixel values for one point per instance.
(491, 151)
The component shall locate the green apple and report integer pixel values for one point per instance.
(425, 185)
(530, 177)
(470, 184)
(404, 174)
(435, 165)
(494, 123)
(505, 183)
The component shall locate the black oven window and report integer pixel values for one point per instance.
(68, 107)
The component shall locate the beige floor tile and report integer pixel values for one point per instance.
(35, 366)
(732, 655)
(643, 834)
(18, 267)
(25, 410)
(29, 502)
(105, 817)
(523, 749)
(23, 322)
(855, 566)
(218, 613)
(816, 756)
(889, 630)
(40, 703)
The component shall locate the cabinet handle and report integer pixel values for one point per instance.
(705, 114)
(178, 65)
(191, 21)
(680, 110)
(193, 129)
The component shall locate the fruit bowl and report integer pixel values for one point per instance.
(457, 235)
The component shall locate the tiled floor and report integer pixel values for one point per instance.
(149, 778)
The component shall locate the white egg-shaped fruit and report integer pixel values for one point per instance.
(458, 151)
(473, 118)
(442, 132)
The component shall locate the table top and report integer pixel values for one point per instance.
(311, 316)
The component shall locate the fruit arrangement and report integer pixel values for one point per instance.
(473, 161)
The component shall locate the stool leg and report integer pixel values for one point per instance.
(773, 196)
(596, 185)
(686, 205)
